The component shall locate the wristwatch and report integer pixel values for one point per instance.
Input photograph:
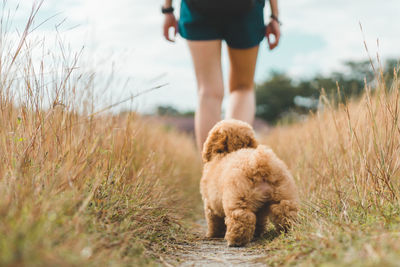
(167, 10)
(276, 19)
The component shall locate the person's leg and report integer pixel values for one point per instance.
(241, 84)
(206, 57)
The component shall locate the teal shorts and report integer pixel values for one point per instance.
(241, 32)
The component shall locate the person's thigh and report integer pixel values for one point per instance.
(206, 57)
(248, 30)
(242, 68)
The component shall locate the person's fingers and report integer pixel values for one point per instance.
(268, 32)
(165, 33)
(170, 22)
(277, 37)
(176, 29)
(275, 43)
(276, 33)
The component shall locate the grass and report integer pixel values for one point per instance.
(104, 189)
(346, 161)
(98, 194)
(82, 189)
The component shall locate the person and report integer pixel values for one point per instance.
(243, 34)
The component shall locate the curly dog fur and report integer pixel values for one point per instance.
(243, 184)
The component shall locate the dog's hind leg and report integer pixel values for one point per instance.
(283, 214)
(241, 224)
(215, 224)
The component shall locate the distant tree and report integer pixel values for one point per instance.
(358, 71)
(391, 67)
(171, 111)
(275, 96)
(189, 113)
(280, 95)
(167, 110)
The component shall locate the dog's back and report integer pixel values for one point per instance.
(256, 175)
(243, 183)
(224, 139)
(227, 155)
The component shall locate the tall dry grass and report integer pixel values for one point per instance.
(76, 188)
(346, 160)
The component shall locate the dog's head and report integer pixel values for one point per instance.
(228, 136)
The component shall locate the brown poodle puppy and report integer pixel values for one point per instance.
(243, 184)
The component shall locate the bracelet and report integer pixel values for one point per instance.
(167, 10)
(276, 19)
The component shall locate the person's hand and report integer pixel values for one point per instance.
(273, 29)
(170, 22)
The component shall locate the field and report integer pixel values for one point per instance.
(346, 161)
(81, 187)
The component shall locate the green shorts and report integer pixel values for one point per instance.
(244, 31)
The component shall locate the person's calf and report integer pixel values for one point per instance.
(242, 106)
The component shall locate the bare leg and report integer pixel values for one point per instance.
(206, 57)
(241, 84)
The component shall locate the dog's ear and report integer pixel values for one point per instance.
(242, 138)
(228, 136)
(252, 142)
(216, 143)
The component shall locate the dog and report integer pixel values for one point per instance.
(243, 184)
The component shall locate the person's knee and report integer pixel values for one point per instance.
(241, 86)
(211, 94)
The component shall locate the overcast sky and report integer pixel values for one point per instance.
(317, 36)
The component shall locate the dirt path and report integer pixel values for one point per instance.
(215, 252)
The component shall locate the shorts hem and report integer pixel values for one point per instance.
(200, 39)
(251, 45)
(187, 37)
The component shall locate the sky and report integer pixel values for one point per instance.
(126, 36)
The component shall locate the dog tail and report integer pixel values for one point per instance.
(228, 136)
(273, 173)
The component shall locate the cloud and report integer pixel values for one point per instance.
(337, 22)
(317, 36)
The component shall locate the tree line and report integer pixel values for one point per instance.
(281, 97)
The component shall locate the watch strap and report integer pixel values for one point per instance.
(167, 10)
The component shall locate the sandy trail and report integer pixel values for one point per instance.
(215, 252)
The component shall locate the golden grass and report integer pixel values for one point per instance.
(111, 189)
(346, 161)
(108, 186)
(96, 191)
(77, 189)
